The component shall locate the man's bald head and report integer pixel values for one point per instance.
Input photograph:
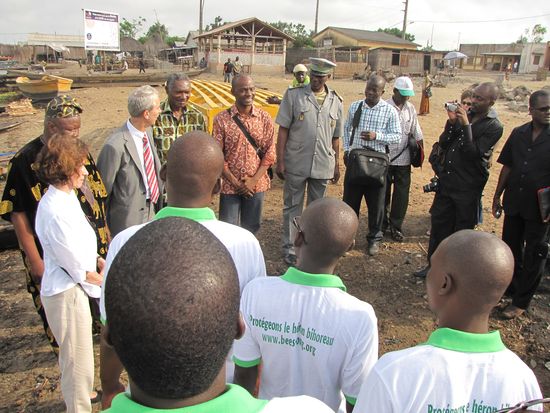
(329, 226)
(377, 81)
(193, 168)
(480, 266)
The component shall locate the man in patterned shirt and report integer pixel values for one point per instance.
(399, 173)
(245, 169)
(24, 190)
(379, 126)
(178, 116)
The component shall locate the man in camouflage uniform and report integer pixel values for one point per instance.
(24, 190)
(177, 115)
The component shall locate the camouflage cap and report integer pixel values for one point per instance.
(320, 67)
(63, 106)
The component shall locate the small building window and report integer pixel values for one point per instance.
(395, 55)
(536, 59)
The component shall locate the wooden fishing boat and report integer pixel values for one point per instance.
(212, 97)
(46, 88)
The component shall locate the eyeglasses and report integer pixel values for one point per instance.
(296, 223)
(464, 103)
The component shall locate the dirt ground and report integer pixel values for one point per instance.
(29, 376)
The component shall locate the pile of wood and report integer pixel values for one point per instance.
(21, 107)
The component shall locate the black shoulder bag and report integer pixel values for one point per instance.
(250, 140)
(366, 166)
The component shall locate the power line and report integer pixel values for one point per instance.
(481, 21)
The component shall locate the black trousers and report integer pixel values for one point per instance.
(528, 241)
(452, 212)
(395, 208)
(374, 197)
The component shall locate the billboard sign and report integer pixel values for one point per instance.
(101, 30)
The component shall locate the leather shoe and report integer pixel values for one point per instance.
(422, 273)
(373, 248)
(397, 235)
(511, 312)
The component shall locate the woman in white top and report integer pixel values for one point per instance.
(72, 269)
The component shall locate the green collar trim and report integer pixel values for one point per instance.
(295, 276)
(464, 342)
(235, 399)
(195, 214)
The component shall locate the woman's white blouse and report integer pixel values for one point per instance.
(68, 241)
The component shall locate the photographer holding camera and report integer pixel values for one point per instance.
(466, 146)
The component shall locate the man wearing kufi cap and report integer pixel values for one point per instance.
(399, 172)
(310, 126)
(24, 190)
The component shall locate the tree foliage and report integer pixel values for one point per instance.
(535, 35)
(218, 22)
(397, 32)
(129, 28)
(302, 36)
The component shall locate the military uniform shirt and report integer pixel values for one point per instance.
(312, 127)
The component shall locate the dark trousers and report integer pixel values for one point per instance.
(451, 213)
(528, 241)
(395, 209)
(374, 197)
(243, 211)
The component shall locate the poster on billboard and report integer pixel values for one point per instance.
(101, 30)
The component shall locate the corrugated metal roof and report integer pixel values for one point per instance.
(369, 35)
(43, 39)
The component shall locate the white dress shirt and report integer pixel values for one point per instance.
(69, 243)
(137, 136)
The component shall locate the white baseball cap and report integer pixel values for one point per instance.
(299, 68)
(404, 85)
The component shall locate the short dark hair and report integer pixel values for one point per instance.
(60, 158)
(172, 303)
(468, 93)
(536, 95)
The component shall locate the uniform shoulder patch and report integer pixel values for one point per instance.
(337, 95)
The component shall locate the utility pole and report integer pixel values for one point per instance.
(405, 19)
(316, 16)
(201, 9)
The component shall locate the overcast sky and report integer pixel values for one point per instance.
(20, 17)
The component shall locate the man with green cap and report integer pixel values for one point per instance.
(310, 126)
(24, 190)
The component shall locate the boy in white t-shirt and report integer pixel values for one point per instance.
(173, 324)
(462, 367)
(311, 336)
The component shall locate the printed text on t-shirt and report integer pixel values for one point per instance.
(292, 335)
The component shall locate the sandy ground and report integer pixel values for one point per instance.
(29, 377)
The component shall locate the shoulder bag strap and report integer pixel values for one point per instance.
(247, 134)
(400, 153)
(355, 123)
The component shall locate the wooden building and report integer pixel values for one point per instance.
(260, 47)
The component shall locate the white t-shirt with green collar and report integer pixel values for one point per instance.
(453, 371)
(311, 336)
(241, 244)
(234, 400)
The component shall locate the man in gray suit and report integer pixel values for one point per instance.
(129, 164)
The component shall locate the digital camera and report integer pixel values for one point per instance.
(451, 106)
(433, 186)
